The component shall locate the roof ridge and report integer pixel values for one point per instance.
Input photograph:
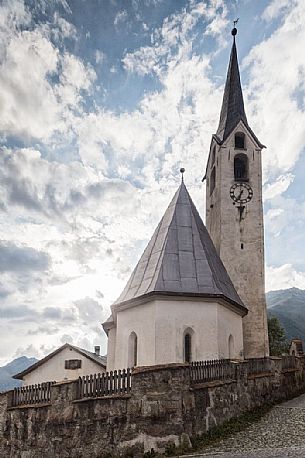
(174, 200)
(210, 259)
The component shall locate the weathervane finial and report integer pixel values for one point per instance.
(234, 30)
(182, 170)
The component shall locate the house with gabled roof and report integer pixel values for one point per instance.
(67, 362)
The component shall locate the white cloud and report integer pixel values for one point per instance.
(284, 277)
(99, 56)
(31, 105)
(278, 187)
(276, 91)
(277, 7)
(172, 42)
(120, 17)
(74, 77)
(62, 29)
(284, 212)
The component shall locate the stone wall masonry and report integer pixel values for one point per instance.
(162, 408)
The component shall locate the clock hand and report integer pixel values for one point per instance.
(240, 194)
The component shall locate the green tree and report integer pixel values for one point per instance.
(278, 343)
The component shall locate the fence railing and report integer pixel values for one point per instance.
(99, 385)
(288, 362)
(208, 371)
(258, 366)
(32, 394)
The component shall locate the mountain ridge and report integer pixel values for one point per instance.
(288, 305)
(13, 367)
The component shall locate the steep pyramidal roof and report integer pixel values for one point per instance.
(180, 259)
(232, 110)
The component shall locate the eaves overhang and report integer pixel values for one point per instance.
(155, 295)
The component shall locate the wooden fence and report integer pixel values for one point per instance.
(32, 394)
(99, 385)
(216, 369)
(288, 362)
(258, 366)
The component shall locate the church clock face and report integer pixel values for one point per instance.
(241, 193)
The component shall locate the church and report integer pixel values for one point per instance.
(197, 292)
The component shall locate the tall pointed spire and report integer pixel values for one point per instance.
(232, 110)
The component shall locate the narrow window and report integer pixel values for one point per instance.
(187, 348)
(231, 347)
(212, 180)
(241, 167)
(133, 350)
(240, 140)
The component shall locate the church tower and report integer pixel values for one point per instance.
(234, 209)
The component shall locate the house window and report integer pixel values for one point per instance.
(241, 167)
(212, 180)
(240, 140)
(188, 345)
(133, 350)
(73, 364)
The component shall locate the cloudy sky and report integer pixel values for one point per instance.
(101, 103)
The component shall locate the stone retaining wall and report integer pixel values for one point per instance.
(162, 409)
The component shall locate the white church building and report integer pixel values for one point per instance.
(198, 293)
(179, 303)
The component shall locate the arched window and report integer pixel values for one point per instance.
(188, 345)
(133, 350)
(212, 180)
(240, 140)
(187, 348)
(231, 347)
(241, 167)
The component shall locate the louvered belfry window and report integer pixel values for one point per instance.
(240, 140)
(241, 167)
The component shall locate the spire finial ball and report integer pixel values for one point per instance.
(182, 170)
(234, 31)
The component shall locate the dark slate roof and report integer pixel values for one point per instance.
(180, 259)
(232, 110)
(101, 360)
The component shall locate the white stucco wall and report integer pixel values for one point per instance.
(140, 320)
(111, 347)
(160, 326)
(229, 324)
(54, 368)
